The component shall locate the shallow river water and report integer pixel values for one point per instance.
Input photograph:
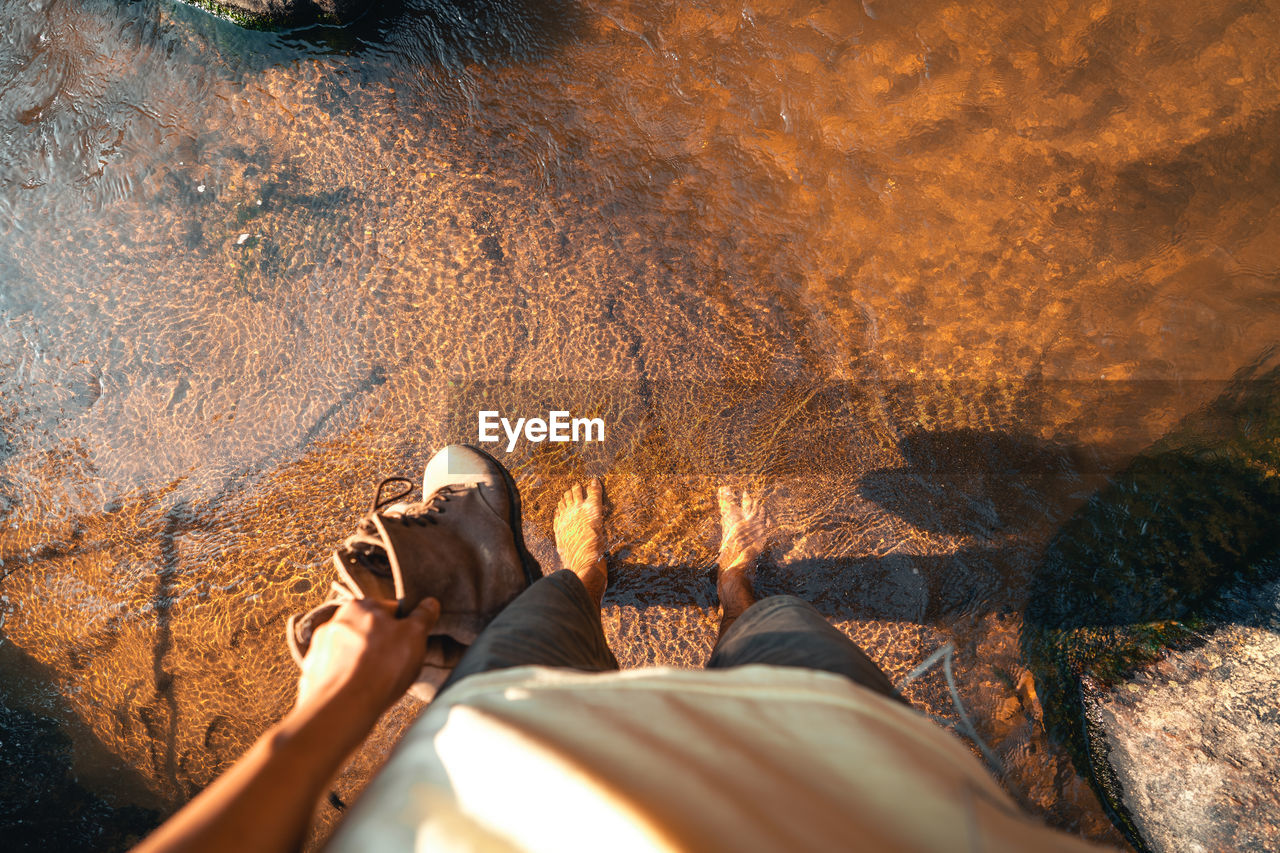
(924, 274)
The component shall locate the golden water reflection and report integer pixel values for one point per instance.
(942, 254)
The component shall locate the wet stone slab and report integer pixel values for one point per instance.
(1194, 739)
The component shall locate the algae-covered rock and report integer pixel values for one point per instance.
(1138, 571)
(446, 30)
(1192, 742)
(266, 14)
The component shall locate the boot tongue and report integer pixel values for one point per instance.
(397, 542)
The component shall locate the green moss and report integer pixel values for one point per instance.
(1108, 655)
(1065, 659)
(239, 17)
(261, 23)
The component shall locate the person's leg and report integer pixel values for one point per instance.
(556, 621)
(580, 539)
(781, 630)
(744, 531)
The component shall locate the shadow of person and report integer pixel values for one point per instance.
(977, 506)
(966, 482)
(914, 588)
(1000, 493)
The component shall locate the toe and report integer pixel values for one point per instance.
(578, 493)
(725, 494)
(595, 490)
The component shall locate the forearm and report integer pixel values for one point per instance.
(265, 802)
(360, 662)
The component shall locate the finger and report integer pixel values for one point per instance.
(357, 607)
(378, 605)
(426, 614)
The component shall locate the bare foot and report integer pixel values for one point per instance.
(580, 538)
(744, 530)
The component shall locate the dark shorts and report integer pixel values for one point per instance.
(555, 623)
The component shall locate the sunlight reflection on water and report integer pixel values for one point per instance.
(973, 259)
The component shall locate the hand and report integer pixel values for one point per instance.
(366, 656)
(360, 661)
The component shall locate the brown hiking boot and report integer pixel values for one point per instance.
(463, 544)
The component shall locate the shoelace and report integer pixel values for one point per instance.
(366, 524)
(379, 501)
(424, 517)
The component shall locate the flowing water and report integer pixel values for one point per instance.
(924, 274)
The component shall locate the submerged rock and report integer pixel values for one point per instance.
(260, 14)
(44, 803)
(1153, 680)
(1192, 741)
